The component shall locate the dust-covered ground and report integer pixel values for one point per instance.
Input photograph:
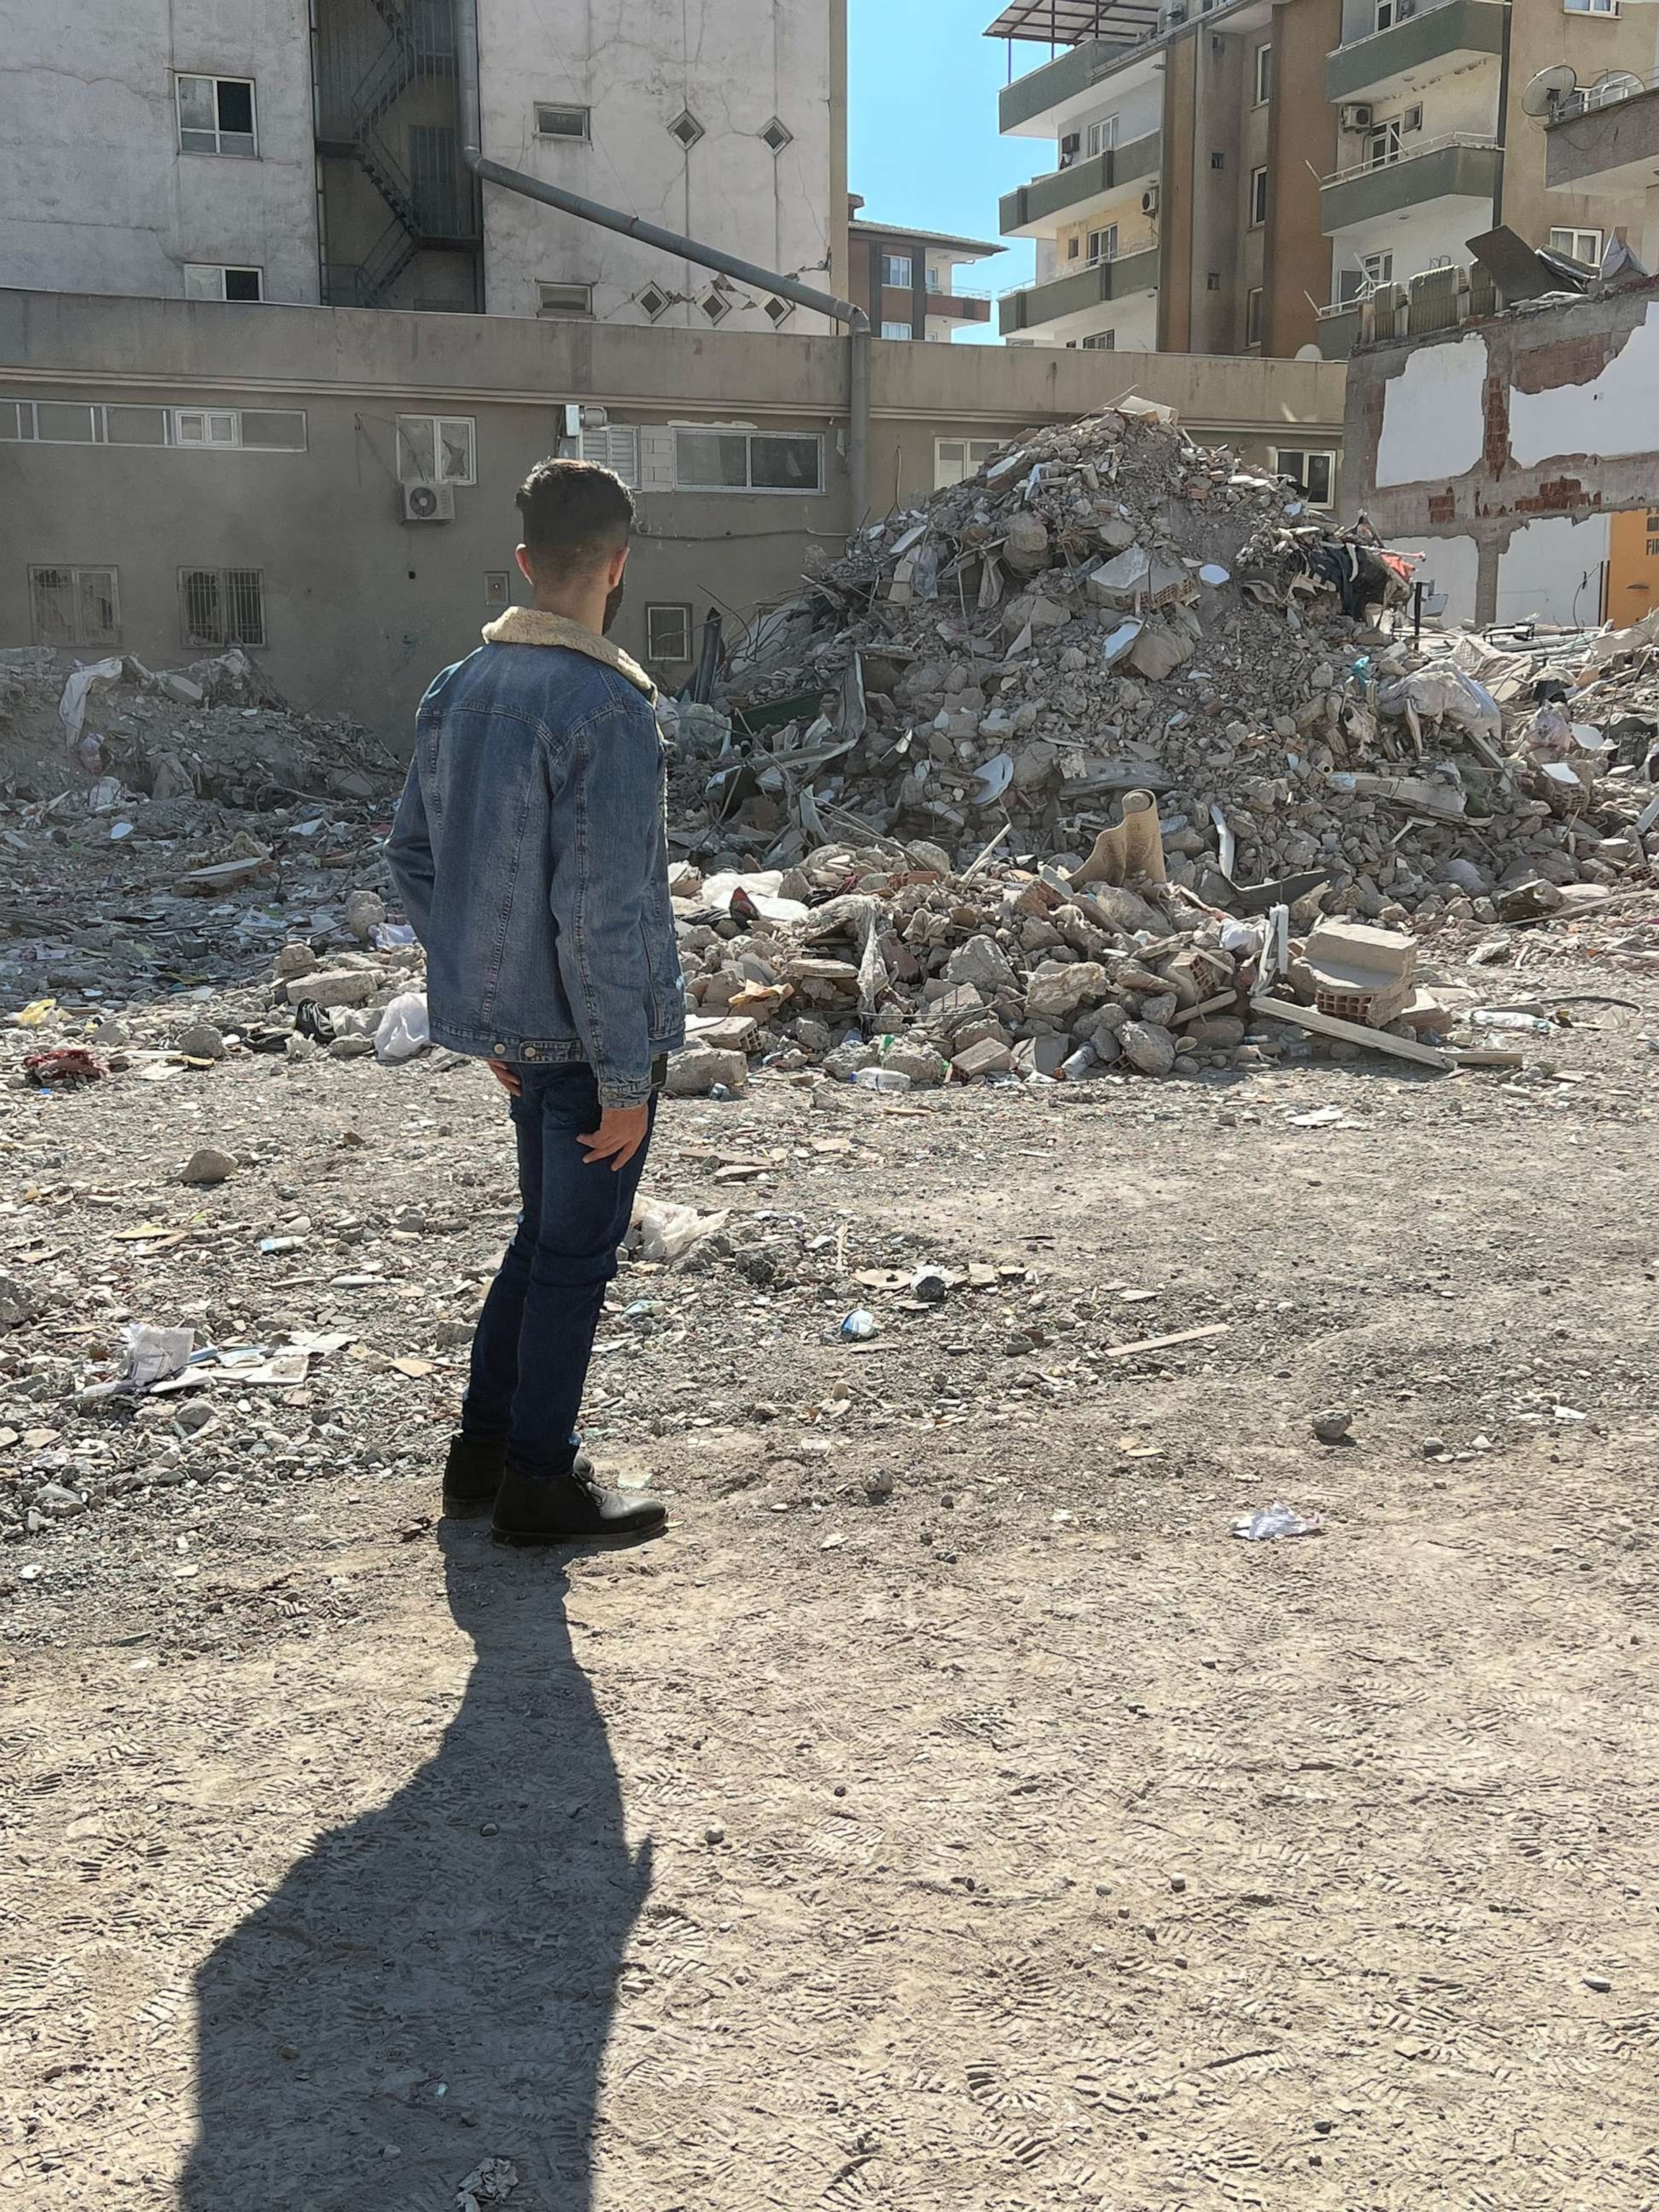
(949, 1811)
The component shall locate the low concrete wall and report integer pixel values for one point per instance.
(362, 608)
(1497, 432)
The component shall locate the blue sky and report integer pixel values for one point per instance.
(922, 143)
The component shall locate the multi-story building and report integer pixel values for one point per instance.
(1232, 175)
(273, 149)
(905, 279)
(1180, 212)
(1436, 144)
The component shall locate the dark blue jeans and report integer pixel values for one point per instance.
(535, 1337)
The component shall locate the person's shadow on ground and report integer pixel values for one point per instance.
(421, 1995)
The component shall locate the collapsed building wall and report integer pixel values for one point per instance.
(1508, 449)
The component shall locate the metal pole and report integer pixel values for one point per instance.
(470, 119)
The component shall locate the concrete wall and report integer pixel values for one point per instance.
(1544, 415)
(362, 608)
(636, 64)
(94, 194)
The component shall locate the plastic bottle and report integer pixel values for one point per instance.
(1533, 1025)
(882, 1079)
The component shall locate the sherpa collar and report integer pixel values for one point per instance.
(530, 626)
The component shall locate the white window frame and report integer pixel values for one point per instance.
(181, 78)
(199, 428)
(1258, 209)
(409, 471)
(1387, 136)
(615, 446)
(681, 609)
(1590, 7)
(1301, 455)
(549, 313)
(195, 641)
(956, 460)
(1255, 305)
(1101, 137)
(77, 572)
(750, 490)
(221, 270)
(898, 330)
(1387, 11)
(1105, 250)
(1264, 73)
(549, 108)
(1572, 232)
(890, 261)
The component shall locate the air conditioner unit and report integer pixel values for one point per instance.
(427, 503)
(1357, 117)
(1412, 119)
(1070, 147)
(1151, 200)
(1404, 11)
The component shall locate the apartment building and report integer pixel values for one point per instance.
(308, 151)
(1236, 175)
(906, 280)
(1181, 211)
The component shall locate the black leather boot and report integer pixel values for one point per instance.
(572, 1509)
(472, 1475)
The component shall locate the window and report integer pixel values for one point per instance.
(1382, 146)
(898, 330)
(555, 299)
(898, 269)
(956, 460)
(655, 302)
(778, 312)
(1313, 474)
(1217, 161)
(1213, 281)
(215, 116)
(1258, 197)
(776, 135)
(1388, 12)
(715, 305)
(1100, 137)
(436, 449)
(1073, 247)
(213, 280)
(1253, 316)
(667, 633)
(748, 461)
(221, 607)
(1362, 282)
(498, 588)
(561, 121)
(1103, 244)
(615, 446)
(1101, 341)
(686, 128)
(1583, 245)
(75, 606)
(1591, 7)
(206, 426)
(272, 430)
(1264, 74)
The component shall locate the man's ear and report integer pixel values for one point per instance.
(522, 555)
(613, 574)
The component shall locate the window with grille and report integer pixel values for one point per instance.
(1314, 474)
(438, 449)
(561, 122)
(216, 280)
(220, 607)
(615, 446)
(667, 633)
(75, 606)
(748, 461)
(215, 116)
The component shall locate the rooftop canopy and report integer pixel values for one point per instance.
(1068, 22)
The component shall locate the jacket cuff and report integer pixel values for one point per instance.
(614, 1091)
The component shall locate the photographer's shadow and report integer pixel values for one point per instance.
(433, 1985)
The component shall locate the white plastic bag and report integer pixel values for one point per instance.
(403, 1030)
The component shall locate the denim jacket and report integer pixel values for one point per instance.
(530, 849)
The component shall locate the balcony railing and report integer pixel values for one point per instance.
(1437, 31)
(1404, 152)
(1463, 165)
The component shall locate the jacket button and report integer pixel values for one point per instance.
(498, 1049)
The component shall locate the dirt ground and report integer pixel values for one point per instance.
(1016, 1839)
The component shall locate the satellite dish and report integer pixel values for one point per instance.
(1549, 88)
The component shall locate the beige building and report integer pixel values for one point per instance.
(178, 477)
(1237, 175)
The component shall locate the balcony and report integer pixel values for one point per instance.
(1606, 146)
(1396, 60)
(1036, 207)
(1068, 77)
(1460, 167)
(1092, 286)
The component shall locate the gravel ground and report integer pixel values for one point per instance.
(947, 1812)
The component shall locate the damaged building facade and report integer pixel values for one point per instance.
(1520, 455)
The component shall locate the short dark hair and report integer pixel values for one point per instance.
(576, 515)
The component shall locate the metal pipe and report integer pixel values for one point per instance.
(470, 118)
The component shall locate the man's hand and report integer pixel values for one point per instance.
(621, 1131)
(504, 1075)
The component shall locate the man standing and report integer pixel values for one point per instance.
(531, 852)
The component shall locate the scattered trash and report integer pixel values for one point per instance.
(1271, 1522)
(403, 1029)
(667, 1233)
(490, 2182)
(859, 1326)
(66, 1068)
